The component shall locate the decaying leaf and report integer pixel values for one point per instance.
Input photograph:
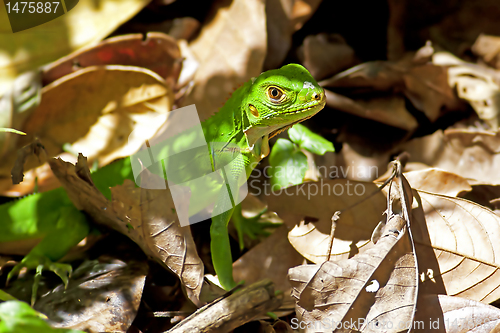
(438, 181)
(279, 31)
(446, 314)
(101, 297)
(325, 55)
(231, 49)
(101, 108)
(28, 49)
(478, 85)
(31, 150)
(488, 49)
(371, 291)
(461, 239)
(270, 259)
(170, 243)
(388, 110)
(155, 51)
(471, 154)
(307, 209)
(425, 85)
(145, 216)
(16, 103)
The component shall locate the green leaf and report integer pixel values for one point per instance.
(11, 130)
(6, 297)
(288, 164)
(19, 317)
(310, 141)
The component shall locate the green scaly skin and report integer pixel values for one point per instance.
(257, 111)
(249, 119)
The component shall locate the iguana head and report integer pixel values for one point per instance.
(277, 100)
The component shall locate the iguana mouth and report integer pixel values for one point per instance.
(280, 130)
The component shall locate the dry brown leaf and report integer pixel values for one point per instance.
(87, 23)
(427, 88)
(309, 216)
(425, 85)
(279, 31)
(457, 247)
(488, 49)
(155, 51)
(388, 110)
(477, 85)
(34, 149)
(231, 49)
(302, 11)
(473, 155)
(111, 297)
(377, 75)
(453, 236)
(270, 259)
(283, 18)
(447, 314)
(170, 243)
(16, 104)
(437, 181)
(100, 109)
(145, 216)
(325, 55)
(378, 286)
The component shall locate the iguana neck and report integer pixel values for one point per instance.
(227, 124)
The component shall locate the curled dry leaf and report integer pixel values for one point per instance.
(170, 243)
(488, 49)
(477, 85)
(387, 110)
(31, 150)
(447, 314)
(425, 85)
(325, 55)
(302, 11)
(473, 155)
(372, 291)
(106, 301)
(28, 49)
(157, 52)
(145, 216)
(231, 49)
(279, 31)
(16, 103)
(457, 247)
(271, 259)
(307, 210)
(438, 181)
(101, 107)
(364, 293)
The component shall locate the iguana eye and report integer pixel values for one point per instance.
(275, 94)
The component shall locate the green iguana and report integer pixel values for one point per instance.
(257, 111)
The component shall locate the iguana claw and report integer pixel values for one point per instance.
(41, 263)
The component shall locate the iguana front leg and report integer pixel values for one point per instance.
(71, 228)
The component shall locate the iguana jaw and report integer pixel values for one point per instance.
(260, 135)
